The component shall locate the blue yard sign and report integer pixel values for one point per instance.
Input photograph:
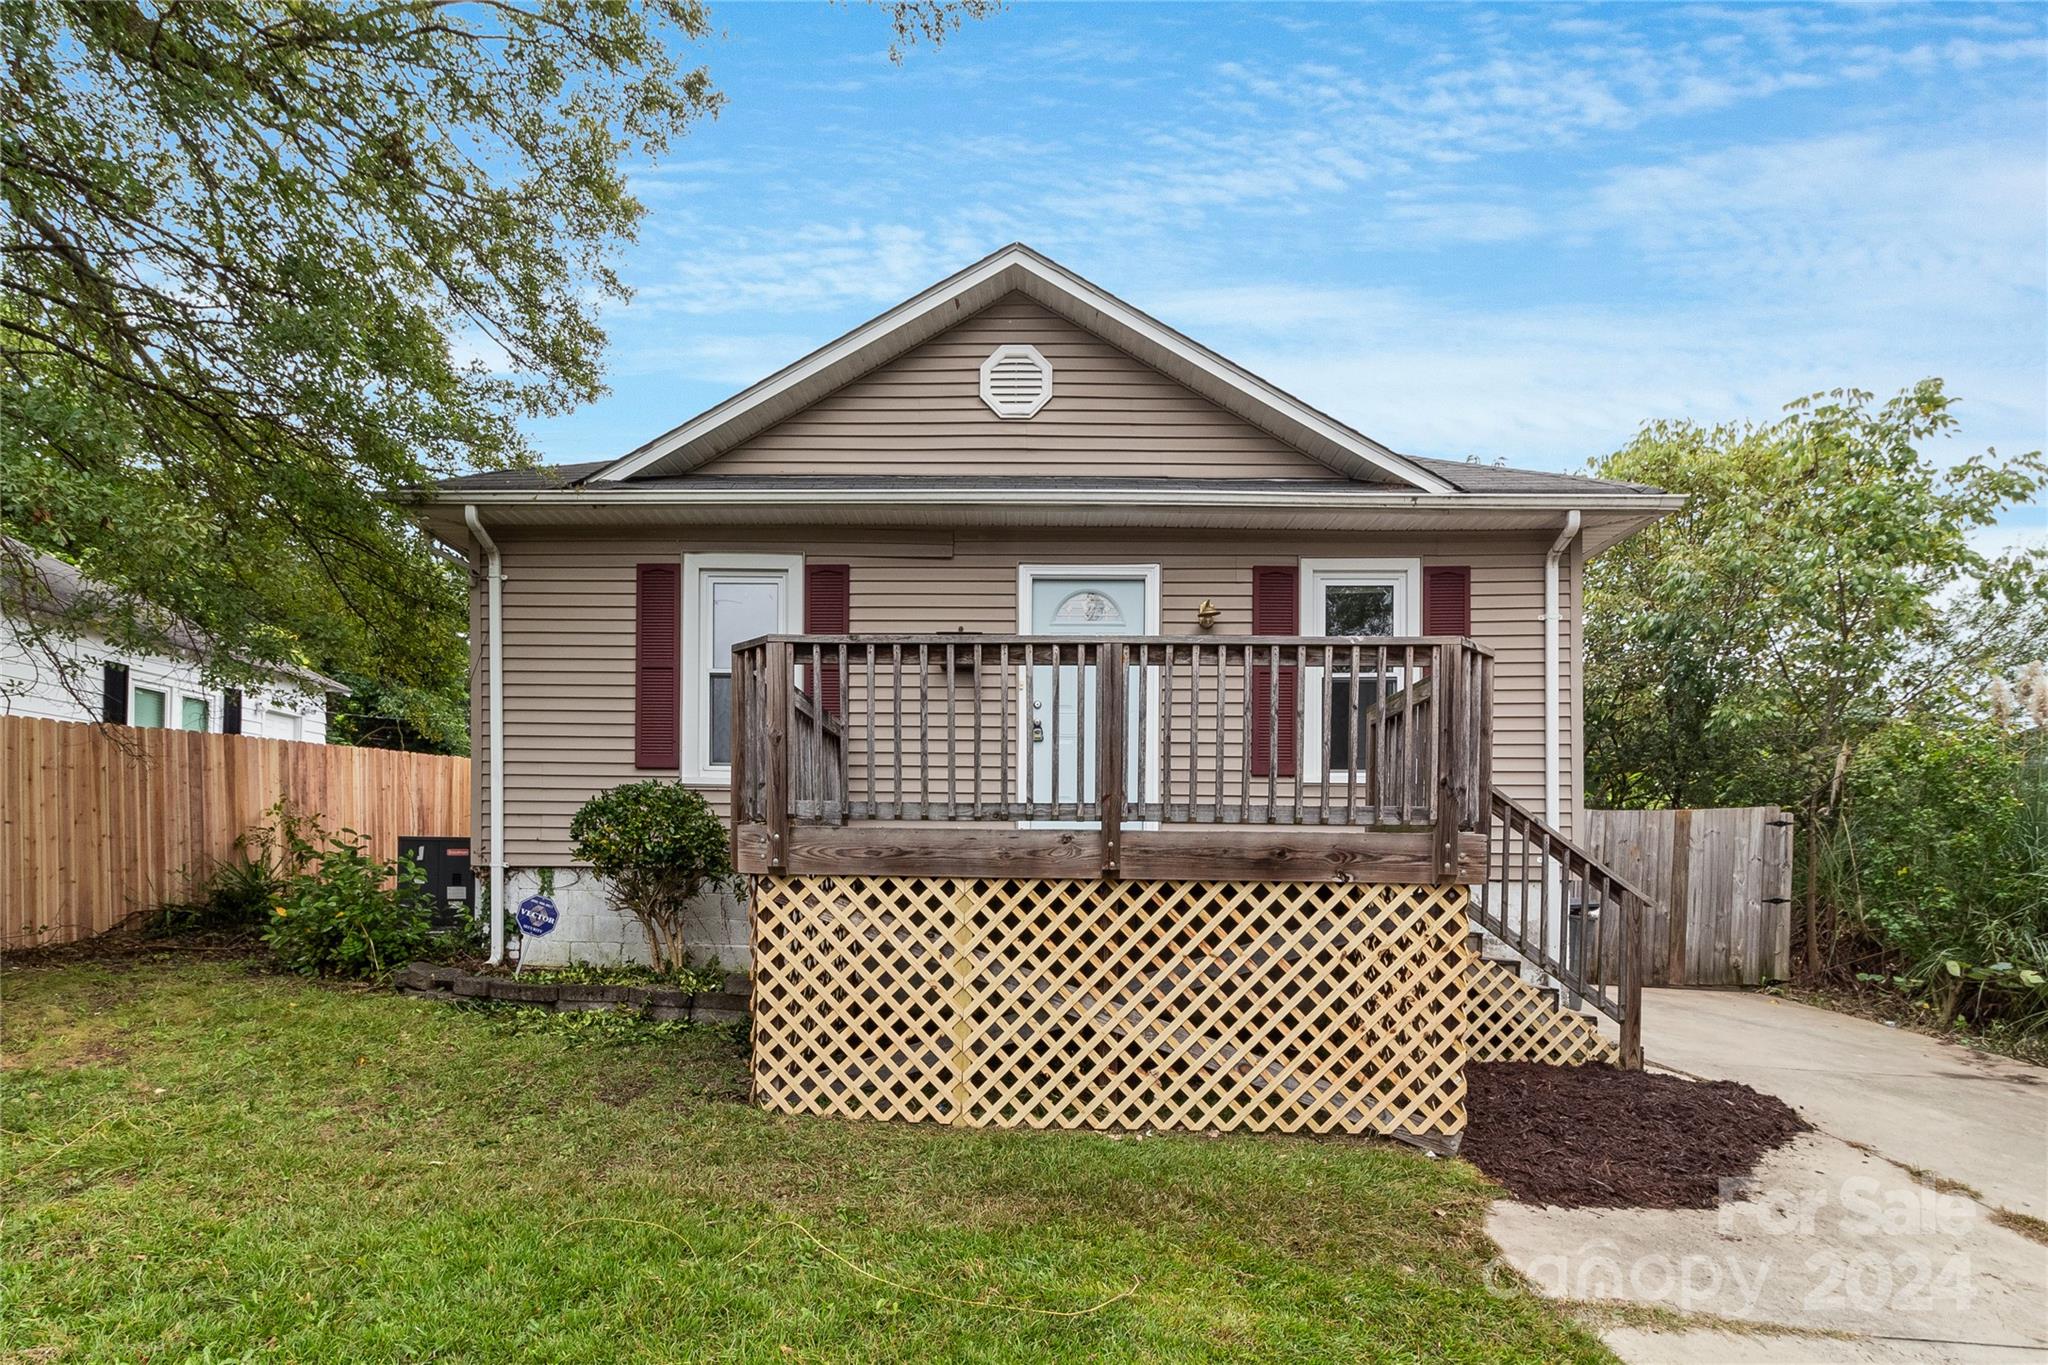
(537, 915)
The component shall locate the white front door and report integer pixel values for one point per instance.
(1059, 723)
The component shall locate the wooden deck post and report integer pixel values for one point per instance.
(1450, 762)
(1632, 951)
(781, 709)
(743, 663)
(1109, 751)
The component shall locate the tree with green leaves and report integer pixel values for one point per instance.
(266, 264)
(1822, 582)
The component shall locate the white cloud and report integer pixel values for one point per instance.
(1862, 219)
(1709, 261)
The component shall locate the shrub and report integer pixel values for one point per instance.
(241, 890)
(1946, 862)
(659, 847)
(347, 914)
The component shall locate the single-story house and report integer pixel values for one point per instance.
(864, 606)
(69, 670)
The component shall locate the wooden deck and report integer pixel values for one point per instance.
(1131, 757)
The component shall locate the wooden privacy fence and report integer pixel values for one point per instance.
(101, 823)
(1719, 883)
(1325, 1007)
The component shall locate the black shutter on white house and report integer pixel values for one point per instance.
(657, 665)
(828, 610)
(1276, 610)
(1447, 600)
(114, 693)
(231, 711)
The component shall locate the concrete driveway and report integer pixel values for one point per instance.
(1963, 1115)
(1884, 1236)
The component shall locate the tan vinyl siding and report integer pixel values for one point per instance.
(1110, 415)
(569, 636)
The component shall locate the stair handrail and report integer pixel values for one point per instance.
(1622, 1000)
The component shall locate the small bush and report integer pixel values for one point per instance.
(659, 846)
(241, 890)
(349, 915)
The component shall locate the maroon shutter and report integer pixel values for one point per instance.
(657, 665)
(1447, 600)
(828, 610)
(1276, 610)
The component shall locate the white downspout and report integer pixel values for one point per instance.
(494, 616)
(1553, 774)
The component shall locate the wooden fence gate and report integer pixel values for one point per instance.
(1720, 887)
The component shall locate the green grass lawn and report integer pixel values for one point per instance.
(205, 1160)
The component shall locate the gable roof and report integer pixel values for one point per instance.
(58, 593)
(1018, 268)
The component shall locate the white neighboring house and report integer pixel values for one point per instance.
(98, 682)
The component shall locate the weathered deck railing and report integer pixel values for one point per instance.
(1140, 732)
(1558, 907)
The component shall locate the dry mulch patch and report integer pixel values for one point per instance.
(127, 943)
(1603, 1138)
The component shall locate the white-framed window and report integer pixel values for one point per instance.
(727, 598)
(1365, 600)
(157, 703)
(147, 707)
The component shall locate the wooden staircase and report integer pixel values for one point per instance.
(1515, 1015)
(1567, 924)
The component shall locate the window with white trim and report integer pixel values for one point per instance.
(1366, 600)
(146, 708)
(727, 599)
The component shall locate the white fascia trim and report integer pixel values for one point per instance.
(696, 767)
(1016, 258)
(856, 496)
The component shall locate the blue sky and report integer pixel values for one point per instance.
(1510, 233)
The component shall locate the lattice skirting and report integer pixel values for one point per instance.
(1317, 1007)
(1512, 1021)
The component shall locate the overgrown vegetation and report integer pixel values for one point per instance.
(351, 915)
(242, 889)
(690, 980)
(324, 1175)
(1819, 630)
(323, 904)
(659, 846)
(1941, 855)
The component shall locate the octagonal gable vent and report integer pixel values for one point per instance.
(1016, 381)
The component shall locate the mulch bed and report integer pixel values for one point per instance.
(1602, 1138)
(128, 944)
